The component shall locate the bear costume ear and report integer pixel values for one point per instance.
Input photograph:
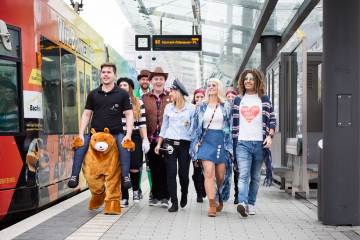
(106, 130)
(93, 131)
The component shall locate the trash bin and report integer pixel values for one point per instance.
(319, 185)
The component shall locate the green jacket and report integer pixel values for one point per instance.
(137, 92)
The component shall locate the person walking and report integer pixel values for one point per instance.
(175, 131)
(254, 124)
(140, 140)
(105, 106)
(144, 87)
(212, 144)
(198, 177)
(155, 102)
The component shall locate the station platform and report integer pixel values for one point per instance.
(279, 216)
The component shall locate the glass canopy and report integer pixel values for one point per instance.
(227, 28)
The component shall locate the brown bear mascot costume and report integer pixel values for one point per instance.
(102, 164)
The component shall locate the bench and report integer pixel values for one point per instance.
(291, 172)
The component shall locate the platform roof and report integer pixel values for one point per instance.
(231, 30)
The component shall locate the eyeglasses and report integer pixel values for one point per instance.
(249, 78)
(211, 85)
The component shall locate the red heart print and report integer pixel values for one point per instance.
(250, 113)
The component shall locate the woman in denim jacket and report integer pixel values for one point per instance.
(212, 144)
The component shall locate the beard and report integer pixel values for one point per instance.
(144, 86)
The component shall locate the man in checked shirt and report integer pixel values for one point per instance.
(155, 102)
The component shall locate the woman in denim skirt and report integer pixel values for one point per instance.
(211, 144)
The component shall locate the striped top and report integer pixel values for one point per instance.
(138, 123)
(11, 121)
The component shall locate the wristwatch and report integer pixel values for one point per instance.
(271, 135)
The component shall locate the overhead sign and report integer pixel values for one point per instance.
(176, 43)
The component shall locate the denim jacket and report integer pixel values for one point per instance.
(196, 129)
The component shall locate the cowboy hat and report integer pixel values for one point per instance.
(158, 72)
(143, 73)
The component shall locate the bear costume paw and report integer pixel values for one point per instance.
(112, 208)
(77, 143)
(128, 144)
(96, 201)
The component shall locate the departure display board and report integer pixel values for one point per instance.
(176, 43)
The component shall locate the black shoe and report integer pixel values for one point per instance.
(73, 182)
(174, 207)
(126, 182)
(203, 192)
(183, 200)
(199, 198)
(236, 200)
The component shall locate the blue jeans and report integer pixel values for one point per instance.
(250, 157)
(81, 151)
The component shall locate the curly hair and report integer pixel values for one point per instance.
(260, 87)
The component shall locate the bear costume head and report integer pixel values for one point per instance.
(102, 142)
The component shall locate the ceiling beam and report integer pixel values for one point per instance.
(154, 12)
(269, 7)
(300, 16)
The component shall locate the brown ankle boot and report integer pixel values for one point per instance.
(220, 207)
(212, 209)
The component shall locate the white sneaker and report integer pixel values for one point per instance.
(241, 208)
(124, 203)
(251, 209)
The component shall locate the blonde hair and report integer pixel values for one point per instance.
(220, 92)
(135, 103)
(180, 100)
(259, 78)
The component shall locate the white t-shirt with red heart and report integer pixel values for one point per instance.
(251, 128)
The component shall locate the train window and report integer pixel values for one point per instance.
(69, 84)
(95, 77)
(276, 94)
(15, 43)
(9, 98)
(51, 88)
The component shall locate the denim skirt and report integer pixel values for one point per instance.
(212, 147)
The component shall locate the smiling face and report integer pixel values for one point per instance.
(172, 95)
(198, 97)
(230, 97)
(158, 83)
(125, 86)
(107, 75)
(144, 83)
(10, 95)
(212, 88)
(249, 82)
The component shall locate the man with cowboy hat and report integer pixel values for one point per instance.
(155, 102)
(144, 84)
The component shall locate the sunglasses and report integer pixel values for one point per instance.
(232, 92)
(196, 92)
(249, 78)
(211, 85)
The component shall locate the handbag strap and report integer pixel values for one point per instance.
(202, 138)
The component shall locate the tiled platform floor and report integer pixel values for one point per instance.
(279, 216)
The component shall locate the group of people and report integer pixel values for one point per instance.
(218, 135)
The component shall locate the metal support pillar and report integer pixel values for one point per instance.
(268, 50)
(341, 118)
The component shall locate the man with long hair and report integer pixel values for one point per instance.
(253, 129)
